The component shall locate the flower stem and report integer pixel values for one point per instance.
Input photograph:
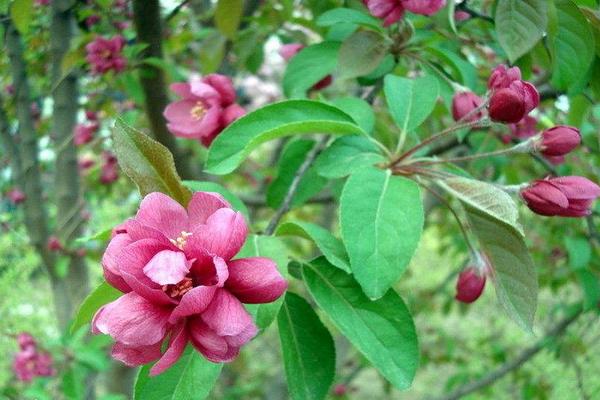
(518, 149)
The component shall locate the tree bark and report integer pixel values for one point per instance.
(69, 201)
(148, 25)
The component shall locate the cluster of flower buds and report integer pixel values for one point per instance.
(567, 196)
(30, 362)
(104, 55)
(471, 281)
(391, 11)
(511, 97)
(466, 107)
(207, 107)
(288, 51)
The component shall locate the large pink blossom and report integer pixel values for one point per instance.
(30, 362)
(207, 106)
(104, 55)
(181, 284)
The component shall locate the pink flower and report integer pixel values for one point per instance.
(568, 196)
(524, 128)
(288, 51)
(558, 141)
(461, 16)
(54, 244)
(469, 285)
(84, 133)
(16, 196)
(181, 285)
(207, 107)
(106, 54)
(512, 104)
(29, 362)
(423, 7)
(92, 20)
(464, 104)
(390, 11)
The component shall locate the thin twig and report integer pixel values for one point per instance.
(176, 10)
(287, 201)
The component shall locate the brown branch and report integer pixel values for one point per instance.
(517, 362)
(289, 196)
(148, 23)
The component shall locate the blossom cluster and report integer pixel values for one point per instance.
(30, 361)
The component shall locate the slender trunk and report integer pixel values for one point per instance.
(69, 202)
(148, 26)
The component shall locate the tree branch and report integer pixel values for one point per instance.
(516, 363)
(289, 196)
(148, 23)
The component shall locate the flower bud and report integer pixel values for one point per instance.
(469, 285)
(54, 244)
(525, 128)
(390, 11)
(287, 51)
(502, 77)
(568, 196)
(423, 7)
(340, 390)
(512, 104)
(16, 196)
(465, 103)
(558, 141)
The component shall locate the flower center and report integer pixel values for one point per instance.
(198, 111)
(179, 289)
(105, 54)
(180, 241)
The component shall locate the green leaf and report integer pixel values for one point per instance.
(359, 110)
(308, 350)
(382, 330)
(100, 296)
(572, 45)
(486, 198)
(212, 52)
(21, 15)
(513, 272)
(273, 248)
(520, 24)
(101, 236)
(332, 248)
(579, 251)
(381, 219)
(148, 163)
(276, 120)
(361, 53)
(346, 155)
(308, 67)
(291, 159)
(236, 203)
(348, 16)
(410, 100)
(192, 377)
(591, 288)
(228, 15)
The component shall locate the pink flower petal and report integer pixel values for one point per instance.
(202, 206)
(132, 320)
(133, 356)
(255, 280)
(223, 235)
(193, 302)
(167, 267)
(226, 315)
(182, 89)
(223, 85)
(180, 112)
(210, 271)
(207, 342)
(243, 337)
(110, 263)
(179, 339)
(161, 212)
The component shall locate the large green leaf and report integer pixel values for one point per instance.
(520, 24)
(100, 296)
(308, 350)
(273, 121)
(148, 163)
(348, 16)
(572, 45)
(410, 100)
(207, 186)
(292, 158)
(382, 330)
(513, 271)
(273, 248)
(361, 53)
(308, 67)
(359, 110)
(228, 15)
(21, 14)
(381, 218)
(346, 155)
(331, 247)
(191, 378)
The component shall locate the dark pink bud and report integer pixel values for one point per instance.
(340, 390)
(524, 128)
(54, 244)
(559, 141)
(9, 89)
(323, 83)
(464, 104)
(461, 16)
(423, 7)
(470, 285)
(287, 51)
(390, 11)
(85, 162)
(91, 115)
(502, 77)
(507, 105)
(567, 196)
(16, 196)
(92, 20)
(84, 133)
(108, 174)
(25, 340)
